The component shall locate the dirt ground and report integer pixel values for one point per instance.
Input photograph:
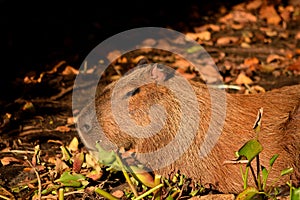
(255, 45)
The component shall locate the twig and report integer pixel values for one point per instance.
(4, 197)
(65, 194)
(62, 93)
(38, 179)
(29, 132)
(18, 152)
(8, 193)
(181, 190)
(256, 50)
(126, 175)
(73, 192)
(149, 191)
(235, 162)
(254, 177)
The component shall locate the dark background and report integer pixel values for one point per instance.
(37, 34)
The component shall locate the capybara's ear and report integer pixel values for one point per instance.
(142, 61)
(161, 73)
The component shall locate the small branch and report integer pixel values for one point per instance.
(149, 191)
(38, 179)
(62, 93)
(18, 152)
(254, 177)
(226, 162)
(258, 173)
(126, 175)
(256, 50)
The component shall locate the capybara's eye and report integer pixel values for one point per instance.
(132, 92)
(86, 127)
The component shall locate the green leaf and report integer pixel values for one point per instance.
(105, 194)
(286, 171)
(169, 197)
(194, 49)
(272, 160)
(247, 194)
(295, 193)
(264, 174)
(250, 150)
(143, 176)
(66, 156)
(194, 193)
(257, 124)
(105, 157)
(71, 180)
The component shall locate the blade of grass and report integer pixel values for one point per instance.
(126, 175)
(149, 191)
(105, 194)
(61, 194)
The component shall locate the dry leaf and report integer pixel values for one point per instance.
(236, 26)
(70, 120)
(28, 80)
(284, 35)
(207, 27)
(269, 13)
(183, 73)
(243, 79)
(122, 60)
(204, 35)
(94, 175)
(240, 7)
(285, 13)
(51, 160)
(251, 61)
(274, 57)
(73, 146)
(297, 51)
(77, 162)
(118, 193)
(252, 5)
(245, 45)
(227, 40)
(113, 55)
(271, 33)
(90, 160)
(60, 165)
(149, 42)
(62, 129)
(289, 54)
(182, 63)
(70, 71)
(225, 19)
(268, 68)
(297, 36)
(241, 17)
(54, 69)
(295, 66)
(7, 160)
(115, 77)
(137, 59)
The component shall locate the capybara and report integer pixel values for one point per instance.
(178, 125)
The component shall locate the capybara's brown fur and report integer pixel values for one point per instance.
(280, 131)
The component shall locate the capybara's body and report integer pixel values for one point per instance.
(215, 141)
